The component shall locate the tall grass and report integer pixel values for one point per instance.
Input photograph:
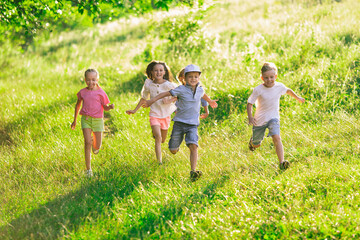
(242, 194)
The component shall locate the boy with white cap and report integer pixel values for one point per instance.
(187, 115)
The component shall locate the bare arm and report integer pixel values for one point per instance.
(169, 100)
(141, 102)
(252, 120)
(212, 103)
(148, 103)
(77, 109)
(109, 107)
(291, 93)
(206, 114)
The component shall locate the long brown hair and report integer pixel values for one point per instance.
(168, 76)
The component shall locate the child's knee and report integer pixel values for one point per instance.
(174, 151)
(276, 138)
(192, 146)
(88, 141)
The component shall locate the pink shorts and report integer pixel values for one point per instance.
(164, 123)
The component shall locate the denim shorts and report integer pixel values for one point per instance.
(96, 124)
(259, 131)
(177, 135)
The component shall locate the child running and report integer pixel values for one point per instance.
(204, 104)
(267, 99)
(159, 80)
(94, 101)
(186, 119)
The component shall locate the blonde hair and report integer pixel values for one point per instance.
(268, 66)
(181, 76)
(92, 70)
(168, 76)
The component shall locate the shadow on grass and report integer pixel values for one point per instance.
(34, 116)
(66, 213)
(230, 103)
(136, 33)
(133, 85)
(170, 212)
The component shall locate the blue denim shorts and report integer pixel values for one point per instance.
(259, 131)
(177, 135)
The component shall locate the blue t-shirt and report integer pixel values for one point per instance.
(188, 104)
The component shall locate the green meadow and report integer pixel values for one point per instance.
(44, 193)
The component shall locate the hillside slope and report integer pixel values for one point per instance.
(242, 194)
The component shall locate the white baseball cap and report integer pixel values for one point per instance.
(192, 68)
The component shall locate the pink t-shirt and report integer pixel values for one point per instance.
(93, 102)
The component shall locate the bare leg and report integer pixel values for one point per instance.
(193, 156)
(163, 135)
(87, 139)
(279, 147)
(158, 139)
(96, 144)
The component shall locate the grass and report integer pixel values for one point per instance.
(243, 194)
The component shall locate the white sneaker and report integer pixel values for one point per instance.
(89, 173)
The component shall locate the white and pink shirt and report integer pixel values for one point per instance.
(158, 109)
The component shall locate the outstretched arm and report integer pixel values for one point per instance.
(291, 93)
(169, 100)
(148, 103)
(77, 108)
(141, 102)
(252, 120)
(212, 103)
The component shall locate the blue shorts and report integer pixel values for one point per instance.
(177, 135)
(259, 131)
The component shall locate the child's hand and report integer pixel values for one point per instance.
(213, 103)
(204, 115)
(252, 121)
(73, 125)
(111, 106)
(130, 112)
(301, 100)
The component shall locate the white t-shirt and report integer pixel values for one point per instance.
(158, 109)
(267, 101)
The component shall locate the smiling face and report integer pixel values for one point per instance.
(269, 78)
(91, 80)
(158, 72)
(192, 78)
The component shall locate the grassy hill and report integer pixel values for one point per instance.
(243, 194)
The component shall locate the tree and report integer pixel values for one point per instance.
(22, 20)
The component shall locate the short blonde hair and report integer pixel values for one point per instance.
(268, 66)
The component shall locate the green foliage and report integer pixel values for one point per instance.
(242, 194)
(23, 20)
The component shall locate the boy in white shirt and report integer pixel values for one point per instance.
(267, 99)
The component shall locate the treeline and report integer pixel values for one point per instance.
(22, 20)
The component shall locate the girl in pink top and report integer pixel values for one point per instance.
(159, 80)
(94, 101)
